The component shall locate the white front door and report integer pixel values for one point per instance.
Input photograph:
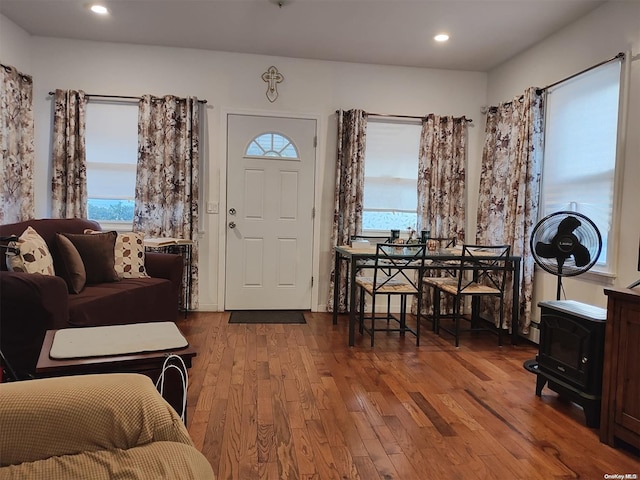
(270, 195)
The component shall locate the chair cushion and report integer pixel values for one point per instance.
(393, 286)
(438, 281)
(473, 289)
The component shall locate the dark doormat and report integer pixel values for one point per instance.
(267, 316)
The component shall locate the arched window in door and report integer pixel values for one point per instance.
(272, 144)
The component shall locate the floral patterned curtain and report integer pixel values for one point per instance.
(442, 176)
(69, 180)
(510, 185)
(16, 144)
(166, 195)
(347, 212)
(442, 184)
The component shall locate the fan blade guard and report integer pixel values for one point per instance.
(562, 235)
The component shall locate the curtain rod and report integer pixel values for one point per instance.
(8, 68)
(618, 56)
(123, 97)
(414, 117)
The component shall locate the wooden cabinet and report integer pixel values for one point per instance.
(620, 414)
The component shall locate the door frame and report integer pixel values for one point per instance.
(222, 216)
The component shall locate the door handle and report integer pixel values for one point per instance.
(232, 224)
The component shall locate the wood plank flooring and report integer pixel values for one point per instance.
(294, 402)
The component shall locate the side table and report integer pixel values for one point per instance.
(149, 364)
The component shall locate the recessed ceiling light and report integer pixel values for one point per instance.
(99, 9)
(441, 37)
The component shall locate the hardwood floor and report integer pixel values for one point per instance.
(294, 402)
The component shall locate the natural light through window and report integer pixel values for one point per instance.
(391, 176)
(112, 151)
(272, 144)
(581, 131)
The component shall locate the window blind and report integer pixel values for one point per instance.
(581, 128)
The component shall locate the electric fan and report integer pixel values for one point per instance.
(565, 244)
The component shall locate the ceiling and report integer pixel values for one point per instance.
(387, 32)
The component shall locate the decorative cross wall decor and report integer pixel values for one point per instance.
(273, 77)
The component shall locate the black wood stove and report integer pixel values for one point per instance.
(570, 357)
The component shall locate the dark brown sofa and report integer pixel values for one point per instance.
(31, 304)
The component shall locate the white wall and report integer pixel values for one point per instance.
(15, 46)
(612, 28)
(232, 82)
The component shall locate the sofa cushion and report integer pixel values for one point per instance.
(97, 253)
(33, 254)
(65, 415)
(151, 461)
(94, 427)
(131, 300)
(128, 254)
(71, 267)
(29, 306)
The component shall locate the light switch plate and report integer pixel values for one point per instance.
(212, 207)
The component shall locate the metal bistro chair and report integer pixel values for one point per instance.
(438, 271)
(482, 271)
(397, 270)
(373, 240)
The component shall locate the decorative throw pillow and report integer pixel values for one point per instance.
(128, 254)
(96, 251)
(33, 255)
(71, 264)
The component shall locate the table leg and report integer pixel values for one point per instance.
(515, 303)
(336, 287)
(352, 302)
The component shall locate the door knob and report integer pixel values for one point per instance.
(232, 224)
(232, 211)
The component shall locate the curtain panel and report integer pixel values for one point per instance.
(69, 164)
(16, 143)
(510, 185)
(167, 174)
(442, 176)
(349, 192)
(442, 186)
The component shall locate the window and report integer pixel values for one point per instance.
(581, 129)
(391, 176)
(272, 145)
(112, 150)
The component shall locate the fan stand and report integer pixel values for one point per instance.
(559, 287)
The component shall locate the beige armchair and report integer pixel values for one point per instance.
(94, 426)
